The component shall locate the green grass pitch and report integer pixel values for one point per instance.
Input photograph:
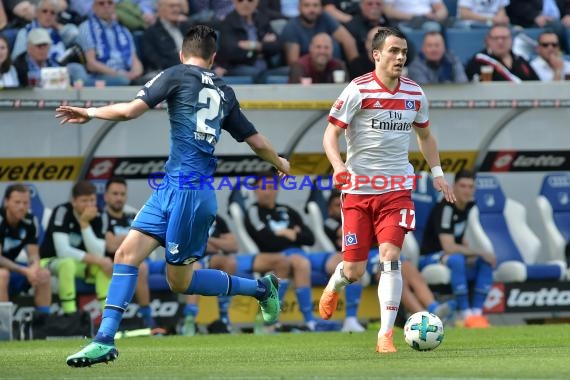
(522, 352)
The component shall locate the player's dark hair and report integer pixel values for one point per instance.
(464, 173)
(382, 34)
(16, 187)
(5, 66)
(200, 41)
(82, 188)
(112, 180)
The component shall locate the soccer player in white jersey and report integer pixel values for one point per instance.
(377, 112)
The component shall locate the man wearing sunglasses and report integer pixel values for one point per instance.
(550, 64)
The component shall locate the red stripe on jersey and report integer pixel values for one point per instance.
(390, 104)
(363, 79)
(409, 92)
(421, 125)
(407, 80)
(337, 122)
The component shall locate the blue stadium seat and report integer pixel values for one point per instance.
(425, 197)
(416, 38)
(277, 79)
(554, 211)
(238, 79)
(38, 210)
(465, 43)
(499, 225)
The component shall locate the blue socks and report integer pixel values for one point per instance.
(191, 309)
(213, 282)
(145, 313)
(121, 291)
(42, 309)
(224, 307)
(352, 294)
(305, 299)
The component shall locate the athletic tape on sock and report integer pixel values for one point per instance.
(387, 266)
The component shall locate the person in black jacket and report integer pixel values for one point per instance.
(277, 229)
(161, 42)
(498, 53)
(533, 14)
(249, 45)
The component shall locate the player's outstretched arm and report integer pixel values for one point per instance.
(118, 111)
(428, 147)
(262, 147)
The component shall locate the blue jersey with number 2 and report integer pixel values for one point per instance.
(200, 105)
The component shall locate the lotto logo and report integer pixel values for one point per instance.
(495, 301)
(350, 239)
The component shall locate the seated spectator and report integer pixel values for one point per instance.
(220, 254)
(342, 11)
(3, 17)
(74, 246)
(550, 64)
(481, 14)
(19, 12)
(279, 231)
(161, 42)
(210, 11)
(444, 242)
(365, 62)
(136, 14)
(299, 31)
(8, 73)
(369, 16)
(116, 224)
(436, 65)
(109, 48)
(319, 64)
(62, 36)
(29, 64)
(554, 14)
(249, 46)
(18, 230)
(272, 9)
(498, 53)
(428, 15)
(353, 292)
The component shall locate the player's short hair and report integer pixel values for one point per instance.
(82, 188)
(464, 173)
(112, 180)
(16, 187)
(382, 34)
(200, 41)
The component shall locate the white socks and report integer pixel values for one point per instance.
(389, 295)
(337, 281)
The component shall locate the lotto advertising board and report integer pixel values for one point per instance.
(528, 297)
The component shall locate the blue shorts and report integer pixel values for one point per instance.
(179, 220)
(18, 283)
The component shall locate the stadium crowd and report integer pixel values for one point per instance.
(127, 42)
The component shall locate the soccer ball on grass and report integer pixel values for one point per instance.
(423, 331)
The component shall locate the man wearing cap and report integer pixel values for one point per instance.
(29, 64)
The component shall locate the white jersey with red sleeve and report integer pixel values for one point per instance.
(378, 123)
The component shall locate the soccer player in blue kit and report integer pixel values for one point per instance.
(179, 215)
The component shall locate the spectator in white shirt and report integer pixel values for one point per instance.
(481, 14)
(550, 65)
